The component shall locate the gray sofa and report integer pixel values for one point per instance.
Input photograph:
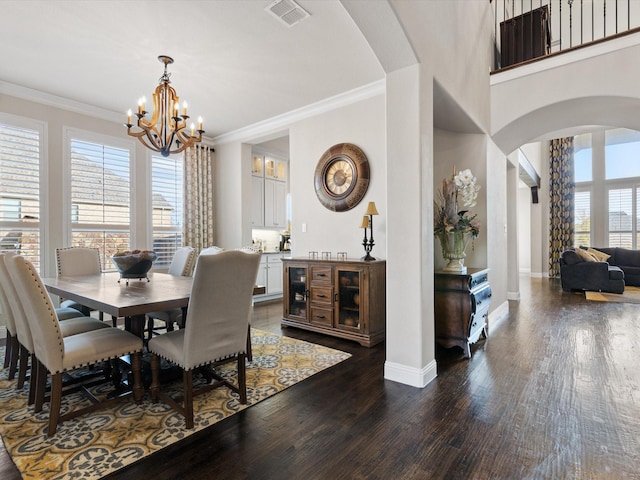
(627, 260)
(579, 274)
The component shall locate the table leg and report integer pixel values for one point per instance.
(135, 325)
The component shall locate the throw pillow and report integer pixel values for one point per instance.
(586, 256)
(598, 255)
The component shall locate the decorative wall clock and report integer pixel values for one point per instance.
(342, 177)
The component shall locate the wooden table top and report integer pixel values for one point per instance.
(104, 293)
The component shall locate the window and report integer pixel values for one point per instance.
(622, 152)
(582, 218)
(100, 197)
(621, 217)
(20, 149)
(582, 158)
(167, 193)
(607, 183)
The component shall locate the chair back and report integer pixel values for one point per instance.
(219, 306)
(182, 262)
(78, 261)
(7, 314)
(22, 330)
(39, 311)
(213, 250)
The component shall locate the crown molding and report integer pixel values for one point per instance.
(242, 134)
(63, 103)
(279, 122)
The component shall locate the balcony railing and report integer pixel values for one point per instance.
(530, 29)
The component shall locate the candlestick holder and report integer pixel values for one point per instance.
(367, 222)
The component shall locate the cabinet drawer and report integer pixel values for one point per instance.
(321, 295)
(321, 316)
(482, 298)
(321, 274)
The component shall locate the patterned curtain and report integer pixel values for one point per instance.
(561, 201)
(198, 197)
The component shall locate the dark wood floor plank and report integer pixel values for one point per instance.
(554, 392)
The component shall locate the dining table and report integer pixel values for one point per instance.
(130, 300)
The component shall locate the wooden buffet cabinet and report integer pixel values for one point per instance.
(461, 307)
(344, 298)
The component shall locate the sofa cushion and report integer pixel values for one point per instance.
(616, 273)
(570, 257)
(598, 255)
(585, 255)
(625, 257)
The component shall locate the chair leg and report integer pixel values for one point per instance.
(22, 367)
(149, 328)
(41, 375)
(33, 379)
(155, 377)
(7, 352)
(56, 400)
(249, 350)
(114, 321)
(13, 360)
(136, 366)
(187, 376)
(242, 378)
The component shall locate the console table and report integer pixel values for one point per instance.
(461, 307)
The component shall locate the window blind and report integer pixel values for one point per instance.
(100, 198)
(167, 201)
(20, 191)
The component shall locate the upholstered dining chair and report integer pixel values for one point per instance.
(57, 354)
(69, 325)
(219, 309)
(74, 261)
(181, 265)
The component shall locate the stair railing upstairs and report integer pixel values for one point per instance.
(527, 30)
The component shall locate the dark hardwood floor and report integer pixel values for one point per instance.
(553, 393)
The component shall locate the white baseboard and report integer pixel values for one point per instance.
(536, 275)
(414, 377)
(3, 331)
(513, 296)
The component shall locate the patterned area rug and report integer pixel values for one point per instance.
(630, 295)
(104, 441)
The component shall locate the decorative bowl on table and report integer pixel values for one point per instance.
(134, 263)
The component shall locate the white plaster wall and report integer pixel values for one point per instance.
(524, 228)
(232, 196)
(583, 87)
(362, 124)
(496, 228)
(463, 151)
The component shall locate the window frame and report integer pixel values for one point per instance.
(164, 263)
(41, 127)
(71, 133)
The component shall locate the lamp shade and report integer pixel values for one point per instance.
(371, 209)
(365, 222)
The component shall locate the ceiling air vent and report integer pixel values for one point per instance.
(287, 11)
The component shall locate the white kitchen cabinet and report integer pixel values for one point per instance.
(275, 204)
(275, 169)
(270, 275)
(257, 201)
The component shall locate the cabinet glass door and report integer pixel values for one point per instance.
(349, 313)
(258, 165)
(297, 292)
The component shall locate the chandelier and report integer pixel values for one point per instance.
(165, 132)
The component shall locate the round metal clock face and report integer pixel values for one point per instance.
(342, 177)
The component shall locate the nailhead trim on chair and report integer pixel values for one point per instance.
(233, 355)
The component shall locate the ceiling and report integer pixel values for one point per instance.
(235, 63)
